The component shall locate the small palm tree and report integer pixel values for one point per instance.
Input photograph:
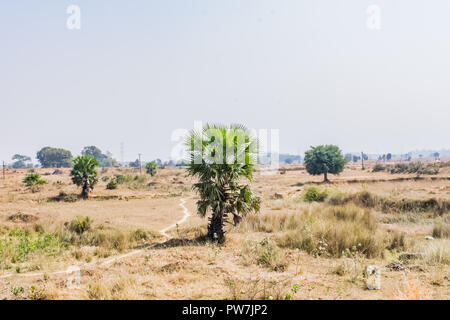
(151, 168)
(84, 174)
(220, 156)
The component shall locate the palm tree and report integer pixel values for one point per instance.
(220, 156)
(84, 174)
(151, 168)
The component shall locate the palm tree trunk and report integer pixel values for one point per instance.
(85, 192)
(325, 176)
(215, 227)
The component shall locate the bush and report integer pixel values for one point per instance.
(79, 225)
(378, 167)
(20, 245)
(64, 197)
(151, 168)
(122, 179)
(271, 256)
(414, 167)
(139, 182)
(34, 179)
(140, 234)
(315, 194)
(112, 184)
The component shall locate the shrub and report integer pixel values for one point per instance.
(34, 179)
(378, 167)
(414, 167)
(315, 194)
(64, 197)
(271, 256)
(139, 182)
(151, 168)
(19, 245)
(79, 225)
(140, 234)
(112, 184)
(122, 179)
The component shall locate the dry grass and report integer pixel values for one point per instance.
(368, 200)
(291, 250)
(441, 229)
(123, 288)
(261, 288)
(265, 253)
(322, 230)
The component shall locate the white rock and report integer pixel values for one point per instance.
(373, 281)
(429, 238)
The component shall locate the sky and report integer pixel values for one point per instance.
(136, 71)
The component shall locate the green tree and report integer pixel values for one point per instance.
(54, 158)
(323, 160)
(134, 164)
(84, 174)
(20, 161)
(104, 160)
(151, 168)
(34, 179)
(219, 157)
(348, 157)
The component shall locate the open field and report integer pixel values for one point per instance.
(292, 249)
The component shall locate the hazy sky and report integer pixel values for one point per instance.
(137, 70)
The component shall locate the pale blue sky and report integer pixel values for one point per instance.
(137, 70)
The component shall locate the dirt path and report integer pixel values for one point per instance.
(107, 262)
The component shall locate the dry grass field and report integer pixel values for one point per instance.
(292, 249)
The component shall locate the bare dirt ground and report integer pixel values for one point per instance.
(140, 215)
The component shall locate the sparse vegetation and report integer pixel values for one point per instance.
(322, 231)
(33, 180)
(112, 184)
(378, 168)
(315, 194)
(293, 249)
(385, 204)
(418, 168)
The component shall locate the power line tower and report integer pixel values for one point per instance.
(140, 163)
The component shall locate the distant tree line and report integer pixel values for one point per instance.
(50, 157)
